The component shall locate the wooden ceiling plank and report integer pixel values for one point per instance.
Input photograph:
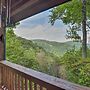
(32, 7)
(16, 3)
(26, 5)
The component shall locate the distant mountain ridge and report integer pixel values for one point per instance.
(57, 48)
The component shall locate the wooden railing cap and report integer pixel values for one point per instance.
(60, 83)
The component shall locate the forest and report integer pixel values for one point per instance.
(69, 66)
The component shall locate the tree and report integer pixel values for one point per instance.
(71, 14)
(84, 43)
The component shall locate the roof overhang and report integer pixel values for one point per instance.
(22, 9)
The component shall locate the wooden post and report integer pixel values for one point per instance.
(2, 29)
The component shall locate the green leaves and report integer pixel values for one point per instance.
(26, 53)
(20, 51)
(77, 69)
(70, 12)
(72, 33)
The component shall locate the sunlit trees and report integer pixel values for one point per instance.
(74, 15)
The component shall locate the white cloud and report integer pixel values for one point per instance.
(37, 27)
(46, 32)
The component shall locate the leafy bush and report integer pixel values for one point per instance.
(77, 69)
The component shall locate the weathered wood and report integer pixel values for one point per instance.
(30, 85)
(26, 84)
(22, 84)
(35, 78)
(22, 9)
(3, 12)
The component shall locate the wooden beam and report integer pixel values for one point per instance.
(2, 29)
(32, 7)
(43, 80)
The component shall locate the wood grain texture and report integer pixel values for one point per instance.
(16, 77)
(26, 8)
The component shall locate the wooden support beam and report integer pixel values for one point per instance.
(2, 29)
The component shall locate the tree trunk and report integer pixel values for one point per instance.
(84, 42)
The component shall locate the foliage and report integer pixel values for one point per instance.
(71, 16)
(70, 66)
(72, 33)
(69, 13)
(57, 48)
(77, 69)
(16, 51)
(29, 54)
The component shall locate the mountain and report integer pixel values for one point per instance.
(57, 48)
(19, 49)
(29, 54)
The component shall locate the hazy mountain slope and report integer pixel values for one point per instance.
(29, 54)
(19, 48)
(55, 47)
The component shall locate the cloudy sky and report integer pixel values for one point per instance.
(37, 27)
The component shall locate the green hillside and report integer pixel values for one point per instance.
(28, 54)
(40, 55)
(57, 48)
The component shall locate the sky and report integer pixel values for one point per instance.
(38, 27)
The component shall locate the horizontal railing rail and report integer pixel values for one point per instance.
(16, 77)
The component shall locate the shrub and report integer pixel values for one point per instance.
(77, 69)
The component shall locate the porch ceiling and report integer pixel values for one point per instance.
(21, 9)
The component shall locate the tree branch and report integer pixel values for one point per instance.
(88, 26)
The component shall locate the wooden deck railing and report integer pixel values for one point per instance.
(16, 77)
